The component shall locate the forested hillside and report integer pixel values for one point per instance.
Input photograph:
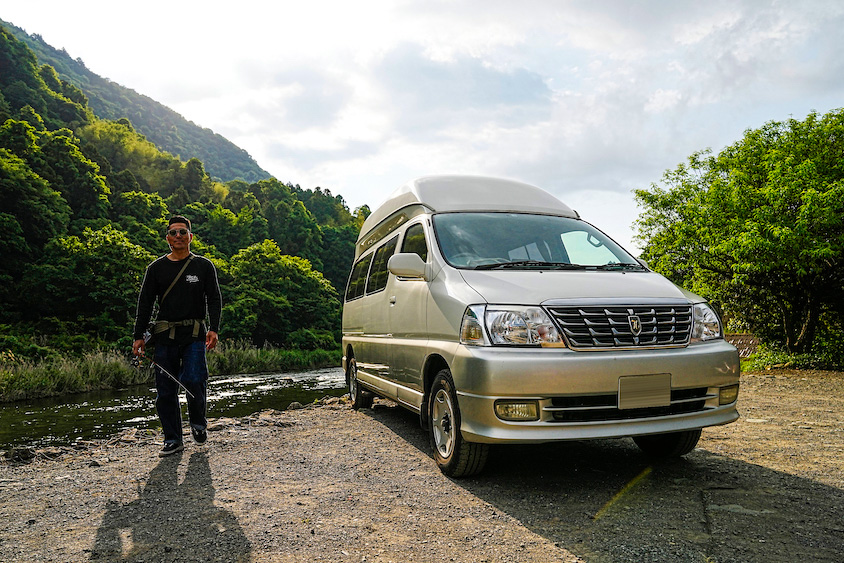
(84, 203)
(167, 129)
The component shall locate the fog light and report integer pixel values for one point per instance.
(517, 410)
(728, 395)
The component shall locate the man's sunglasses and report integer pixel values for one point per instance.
(174, 232)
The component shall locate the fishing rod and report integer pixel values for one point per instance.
(167, 373)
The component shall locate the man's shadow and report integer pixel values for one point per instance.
(172, 521)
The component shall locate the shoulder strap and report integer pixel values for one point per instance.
(177, 277)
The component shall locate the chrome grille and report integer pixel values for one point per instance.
(597, 327)
(595, 408)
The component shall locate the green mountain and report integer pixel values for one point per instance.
(164, 127)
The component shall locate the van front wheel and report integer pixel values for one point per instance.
(360, 399)
(455, 456)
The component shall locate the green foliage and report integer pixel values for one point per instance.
(327, 209)
(337, 253)
(21, 346)
(23, 84)
(758, 228)
(73, 175)
(25, 379)
(289, 223)
(272, 294)
(91, 279)
(55, 157)
(241, 356)
(312, 339)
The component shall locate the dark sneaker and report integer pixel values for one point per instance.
(199, 435)
(171, 448)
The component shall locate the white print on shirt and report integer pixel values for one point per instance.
(190, 278)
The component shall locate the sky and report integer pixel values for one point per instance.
(589, 100)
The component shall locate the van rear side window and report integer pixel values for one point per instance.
(357, 281)
(379, 274)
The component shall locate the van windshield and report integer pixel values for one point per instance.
(524, 241)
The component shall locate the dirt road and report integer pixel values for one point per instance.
(331, 484)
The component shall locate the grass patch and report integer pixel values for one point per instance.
(241, 357)
(770, 359)
(31, 379)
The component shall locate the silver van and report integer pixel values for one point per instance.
(488, 307)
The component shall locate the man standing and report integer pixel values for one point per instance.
(186, 287)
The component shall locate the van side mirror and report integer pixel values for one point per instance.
(407, 265)
(643, 263)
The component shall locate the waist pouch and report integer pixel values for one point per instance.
(157, 327)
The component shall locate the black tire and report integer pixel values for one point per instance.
(454, 456)
(360, 399)
(667, 446)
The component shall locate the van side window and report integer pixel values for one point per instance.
(414, 241)
(357, 281)
(378, 274)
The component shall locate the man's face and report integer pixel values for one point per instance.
(178, 236)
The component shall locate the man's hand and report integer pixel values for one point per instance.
(210, 340)
(139, 347)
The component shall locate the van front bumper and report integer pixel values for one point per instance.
(484, 375)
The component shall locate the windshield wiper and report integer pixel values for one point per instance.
(530, 264)
(619, 266)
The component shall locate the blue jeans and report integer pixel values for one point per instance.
(187, 363)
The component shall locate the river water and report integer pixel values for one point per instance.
(84, 416)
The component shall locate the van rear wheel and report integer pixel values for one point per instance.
(360, 399)
(666, 446)
(454, 456)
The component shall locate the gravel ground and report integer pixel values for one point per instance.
(326, 483)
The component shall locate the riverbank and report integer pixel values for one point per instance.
(326, 483)
(110, 369)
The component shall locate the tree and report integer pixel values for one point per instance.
(289, 223)
(758, 228)
(71, 173)
(338, 253)
(271, 295)
(142, 217)
(92, 280)
(326, 208)
(31, 213)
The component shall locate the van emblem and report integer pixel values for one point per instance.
(635, 324)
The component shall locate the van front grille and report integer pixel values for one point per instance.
(595, 408)
(649, 326)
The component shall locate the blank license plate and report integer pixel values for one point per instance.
(642, 391)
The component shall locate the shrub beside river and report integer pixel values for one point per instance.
(109, 369)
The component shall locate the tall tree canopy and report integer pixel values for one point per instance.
(758, 227)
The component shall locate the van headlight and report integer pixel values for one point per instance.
(508, 325)
(705, 325)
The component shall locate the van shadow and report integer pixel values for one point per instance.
(172, 521)
(604, 501)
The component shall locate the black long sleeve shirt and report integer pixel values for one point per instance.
(195, 296)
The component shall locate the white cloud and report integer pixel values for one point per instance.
(589, 100)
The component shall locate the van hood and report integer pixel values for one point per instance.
(535, 287)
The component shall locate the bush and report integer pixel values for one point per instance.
(819, 358)
(312, 339)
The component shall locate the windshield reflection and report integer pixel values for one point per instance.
(525, 241)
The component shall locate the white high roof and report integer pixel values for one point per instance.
(468, 193)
